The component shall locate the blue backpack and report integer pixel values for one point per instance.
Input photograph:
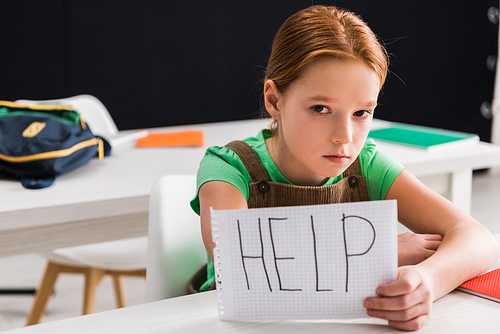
(38, 142)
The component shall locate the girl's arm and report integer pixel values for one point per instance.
(467, 249)
(220, 196)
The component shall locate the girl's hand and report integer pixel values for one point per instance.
(415, 248)
(406, 302)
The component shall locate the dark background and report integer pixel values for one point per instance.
(158, 63)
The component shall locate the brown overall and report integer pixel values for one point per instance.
(264, 193)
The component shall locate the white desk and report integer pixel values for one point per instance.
(108, 199)
(455, 313)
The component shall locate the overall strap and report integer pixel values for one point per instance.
(250, 159)
(353, 169)
(264, 193)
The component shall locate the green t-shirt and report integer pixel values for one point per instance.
(222, 164)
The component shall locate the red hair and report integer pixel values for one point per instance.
(318, 32)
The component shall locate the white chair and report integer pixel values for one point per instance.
(116, 258)
(175, 249)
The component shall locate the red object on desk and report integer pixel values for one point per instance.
(183, 138)
(486, 285)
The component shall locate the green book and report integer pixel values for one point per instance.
(422, 136)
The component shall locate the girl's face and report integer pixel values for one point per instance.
(323, 119)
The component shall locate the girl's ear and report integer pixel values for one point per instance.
(272, 99)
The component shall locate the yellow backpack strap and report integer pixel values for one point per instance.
(35, 106)
(100, 148)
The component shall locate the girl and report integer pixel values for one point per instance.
(321, 87)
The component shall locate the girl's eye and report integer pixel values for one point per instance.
(320, 109)
(362, 113)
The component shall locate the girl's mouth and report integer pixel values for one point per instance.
(337, 158)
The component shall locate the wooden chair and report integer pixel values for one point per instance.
(116, 258)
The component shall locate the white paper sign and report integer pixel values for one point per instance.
(303, 262)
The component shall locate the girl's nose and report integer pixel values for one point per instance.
(342, 132)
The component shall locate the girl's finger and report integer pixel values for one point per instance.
(432, 237)
(432, 245)
(401, 315)
(398, 303)
(405, 283)
(412, 325)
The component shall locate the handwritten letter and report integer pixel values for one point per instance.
(304, 262)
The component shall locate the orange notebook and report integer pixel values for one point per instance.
(182, 138)
(486, 285)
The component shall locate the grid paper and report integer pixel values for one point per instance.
(304, 262)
